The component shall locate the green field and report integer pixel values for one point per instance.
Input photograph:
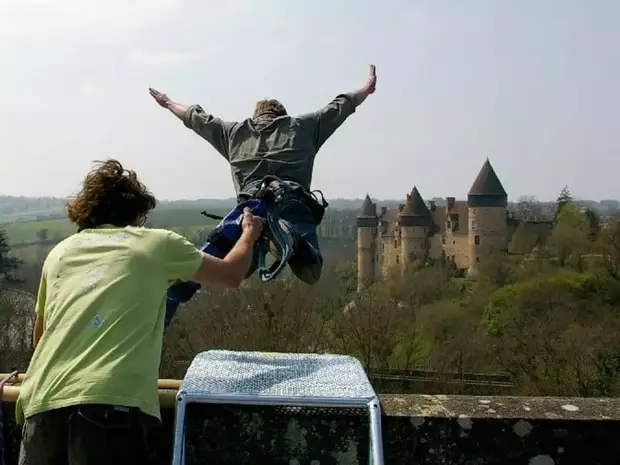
(26, 231)
(183, 220)
(31, 239)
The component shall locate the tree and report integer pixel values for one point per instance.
(528, 208)
(556, 333)
(608, 246)
(594, 221)
(564, 198)
(42, 234)
(9, 265)
(371, 328)
(523, 240)
(570, 236)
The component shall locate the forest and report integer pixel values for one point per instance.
(543, 317)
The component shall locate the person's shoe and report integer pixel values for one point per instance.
(306, 262)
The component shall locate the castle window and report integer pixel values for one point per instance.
(395, 242)
(443, 240)
(473, 223)
(477, 259)
(397, 259)
(477, 240)
(453, 242)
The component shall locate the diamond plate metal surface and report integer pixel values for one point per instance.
(275, 374)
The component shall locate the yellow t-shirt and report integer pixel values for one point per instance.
(103, 295)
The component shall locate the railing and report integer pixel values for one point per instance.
(169, 387)
(167, 390)
(476, 379)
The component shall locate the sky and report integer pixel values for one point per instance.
(530, 84)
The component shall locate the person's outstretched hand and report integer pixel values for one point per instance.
(371, 83)
(252, 225)
(159, 97)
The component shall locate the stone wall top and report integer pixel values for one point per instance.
(417, 429)
(444, 406)
(551, 408)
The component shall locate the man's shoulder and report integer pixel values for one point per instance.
(280, 120)
(156, 236)
(129, 236)
(164, 237)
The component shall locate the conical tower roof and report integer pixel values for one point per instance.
(368, 209)
(487, 188)
(415, 205)
(487, 182)
(414, 212)
(367, 217)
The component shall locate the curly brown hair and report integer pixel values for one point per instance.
(270, 108)
(110, 195)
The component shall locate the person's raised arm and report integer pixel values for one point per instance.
(329, 118)
(210, 128)
(184, 261)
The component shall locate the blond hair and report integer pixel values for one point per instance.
(270, 108)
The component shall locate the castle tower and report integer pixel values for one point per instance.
(367, 222)
(415, 220)
(487, 201)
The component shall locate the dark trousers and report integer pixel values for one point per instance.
(89, 435)
(307, 260)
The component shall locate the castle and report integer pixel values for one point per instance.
(465, 232)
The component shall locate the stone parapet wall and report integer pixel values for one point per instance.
(417, 430)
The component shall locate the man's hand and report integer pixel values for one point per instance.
(252, 225)
(177, 109)
(160, 98)
(369, 88)
(230, 271)
(371, 83)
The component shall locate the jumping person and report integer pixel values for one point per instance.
(274, 143)
(90, 393)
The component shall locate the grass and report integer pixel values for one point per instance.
(32, 253)
(186, 221)
(26, 231)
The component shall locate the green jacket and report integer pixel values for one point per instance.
(284, 147)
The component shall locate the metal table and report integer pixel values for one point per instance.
(277, 379)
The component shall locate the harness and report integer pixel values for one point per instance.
(266, 198)
(12, 377)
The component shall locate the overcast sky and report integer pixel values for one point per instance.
(530, 84)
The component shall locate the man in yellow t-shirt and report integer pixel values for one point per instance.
(90, 392)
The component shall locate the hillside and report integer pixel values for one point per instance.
(34, 226)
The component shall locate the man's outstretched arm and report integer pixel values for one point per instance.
(331, 117)
(360, 95)
(212, 129)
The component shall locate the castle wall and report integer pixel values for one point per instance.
(488, 234)
(456, 248)
(390, 250)
(366, 251)
(414, 245)
(435, 247)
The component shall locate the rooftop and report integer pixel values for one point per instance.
(487, 183)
